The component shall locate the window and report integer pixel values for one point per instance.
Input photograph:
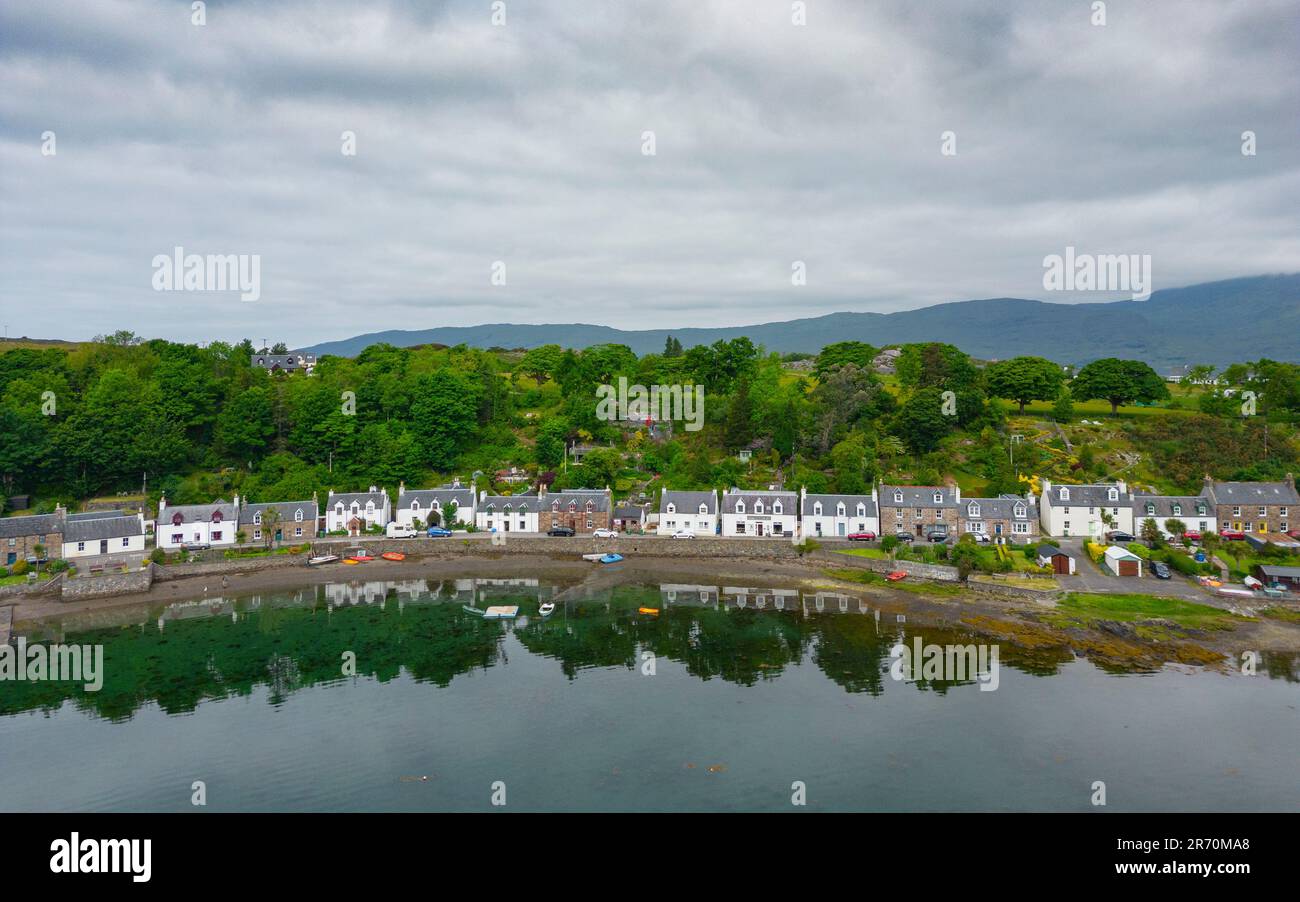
(297, 531)
(672, 508)
(1281, 511)
(758, 507)
(1112, 494)
(841, 510)
(13, 542)
(740, 507)
(257, 534)
(297, 517)
(1020, 510)
(817, 509)
(740, 528)
(1263, 512)
(1236, 511)
(1178, 510)
(126, 543)
(938, 497)
(1064, 494)
(862, 509)
(216, 536)
(1020, 528)
(257, 517)
(898, 497)
(177, 538)
(81, 546)
(973, 510)
(415, 504)
(1066, 524)
(589, 524)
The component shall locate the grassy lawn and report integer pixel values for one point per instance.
(21, 578)
(1024, 582)
(875, 553)
(1093, 410)
(866, 577)
(1284, 614)
(1241, 560)
(1086, 610)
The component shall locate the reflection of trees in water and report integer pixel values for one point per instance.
(1281, 665)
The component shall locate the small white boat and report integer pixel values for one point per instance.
(1252, 583)
(322, 559)
(501, 612)
(593, 557)
(546, 608)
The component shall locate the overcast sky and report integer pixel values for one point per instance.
(522, 143)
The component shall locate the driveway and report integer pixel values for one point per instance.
(1095, 578)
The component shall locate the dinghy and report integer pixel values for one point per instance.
(546, 608)
(896, 575)
(611, 558)
(654, 611)
(393, 556)
(501, 612)
(593, 557)
(321, 559)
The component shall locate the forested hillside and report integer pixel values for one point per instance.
(120, 415)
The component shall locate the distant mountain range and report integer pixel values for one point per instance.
(1215, 323)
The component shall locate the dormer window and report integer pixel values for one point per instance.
(938, 497)
(1178, 510)
(370, 507)
(555, 507)
(740, 507)
(216, 516)
(758, 507)
(1112, 494)
(973, 510)
(898, 497)
(1151, 509)
(178, 518)
(573, 507)
(338, 509)
(591, 506)
(672, 508)
(415, 504)
(841, 510)
(1064, 494)
(817, 509)
(523, 508)
(862, 509)
(776, 507)
(704, 509)
(257, 518)
(297, 515)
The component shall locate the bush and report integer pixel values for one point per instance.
(59, 566)
(158, 556)
(18, 569)
(4, 571)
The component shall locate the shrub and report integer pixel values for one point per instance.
(19, 568)
(158, 556)
(59, 566)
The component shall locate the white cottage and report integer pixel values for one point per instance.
(1077, 510)
(103, 533)
(214, 525)
(759, 513)
(356, 512)
(838, 516)
(292, 521)
(695, 512)
(507, 513)
(450, 506)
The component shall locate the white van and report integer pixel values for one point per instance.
(398, 531)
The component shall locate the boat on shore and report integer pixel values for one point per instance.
(546, 608)
(593, 557)
(322, 559)
(611, 558)
(645, 610)
(896, 575)
(393, 556)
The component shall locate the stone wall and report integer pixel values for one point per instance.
(27, 590)
(108, 584)
(918, 569)
(479, 544)
(223, 566)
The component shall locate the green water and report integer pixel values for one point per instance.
(721, 701)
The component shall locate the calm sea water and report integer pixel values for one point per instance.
(751, 691)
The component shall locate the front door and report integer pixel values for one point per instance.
(841, 530)
(103, 546)
(758, 528)
(919, 530)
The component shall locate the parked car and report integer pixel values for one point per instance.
(862, 537)
(1232, 535)
(194, 546)
(937, 536)
(1161, 570)
(605, 534)
(684, 534)
(1116, 536)
(437, 532)
(397, 531)
(1192, 535)
(979, 537)
(561, 531)
(904, 536)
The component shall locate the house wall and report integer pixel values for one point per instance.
(1055, 516)
(20, 548)
(119, 545)
(832, 525)
(891, 523)
(1006, 529)
(169, 536)
(380, 515)
(515, 522)
(696, 522)
(405, 515)
(580, 520)
(1247, 517)
(786, 521)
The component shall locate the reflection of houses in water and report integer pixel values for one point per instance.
(834, 602)
(683, 594)
(488, 589)
(197, 609)
(760, 599)
(338, 595)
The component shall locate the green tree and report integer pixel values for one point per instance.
(921, 423)
(857, 353)
(1063, 408)
(1119, 382)
(1025, 379)
(540, 362)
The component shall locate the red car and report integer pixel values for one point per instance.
(1232, 534)
(862, 537)
(1192, 535)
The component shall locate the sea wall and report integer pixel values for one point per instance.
(108, 584)
(222, 566)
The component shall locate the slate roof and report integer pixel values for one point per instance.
(830, 504)
(789, 500)
(1094, 495)
(1001, 508)
(689, 501)
(1238, 493)
(361, 498)
(30, 525)
(92, 527)
(918, 496)
(629, 512)
(198, 513)
(443, 494)
(287, 509)
(517, 502)
(1164, 506)
(598, 498)
(1274, 570)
